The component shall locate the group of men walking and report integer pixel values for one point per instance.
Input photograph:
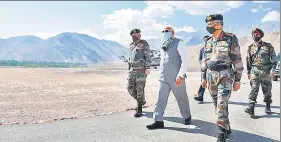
(221, 72)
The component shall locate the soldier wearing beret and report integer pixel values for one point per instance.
(139, 62)
(261, 63)
(222, 78)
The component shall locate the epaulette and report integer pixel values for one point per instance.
(230, 34)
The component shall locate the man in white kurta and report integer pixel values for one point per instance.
(173, 68)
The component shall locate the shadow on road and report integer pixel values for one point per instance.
(246, 104)
(211, 129)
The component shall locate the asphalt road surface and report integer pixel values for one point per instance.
(123, 127)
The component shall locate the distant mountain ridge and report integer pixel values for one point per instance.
(65, 47)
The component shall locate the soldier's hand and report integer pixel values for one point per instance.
(249, 76)
(204, 83)
(179, 81)
(236, 86)
(272, 74)
(147, 71)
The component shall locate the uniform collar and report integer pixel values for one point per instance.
(220, 36)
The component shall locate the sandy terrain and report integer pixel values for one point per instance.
(41, 95)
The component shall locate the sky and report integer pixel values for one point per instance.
(114, 20)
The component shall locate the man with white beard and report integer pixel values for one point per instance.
(173, 67)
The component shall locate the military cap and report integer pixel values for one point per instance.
(134, 31)
(214, 17)
(258, 31)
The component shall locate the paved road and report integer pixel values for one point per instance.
(122, 127)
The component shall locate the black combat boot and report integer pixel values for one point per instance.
(138, 111)
(222, 135)
(199, 99)
(136, 108)
(267, 108)
(156, 125)
(187, 121)
(251, 109)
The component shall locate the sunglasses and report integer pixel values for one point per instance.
(165, 31)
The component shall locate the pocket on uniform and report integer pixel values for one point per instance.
(222, 51)
(141, 77)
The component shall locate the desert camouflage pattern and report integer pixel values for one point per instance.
(261, 61)
(140, 60)
(226, 48)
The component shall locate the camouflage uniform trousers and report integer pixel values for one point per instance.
(220, 86)
(263, 78)
(136, 84)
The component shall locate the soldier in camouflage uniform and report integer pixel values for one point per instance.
(139, 63)
(261, 64)
(224, 52)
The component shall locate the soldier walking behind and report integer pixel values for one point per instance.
(139, 65)
(261, 64)
(201, 90)
(225, 53)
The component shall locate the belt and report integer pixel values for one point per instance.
(139, 70)
(219, 67)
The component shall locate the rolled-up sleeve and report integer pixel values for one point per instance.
(184, 58)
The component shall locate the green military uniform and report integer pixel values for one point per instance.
(221, 54)
(139, 61)
(261, 62)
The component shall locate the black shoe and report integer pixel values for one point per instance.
(251, 110)
(187, 121)
(156, 125)
(267, 108)
(199, 99)
(138, 111)
(215, 104)
(222, 135)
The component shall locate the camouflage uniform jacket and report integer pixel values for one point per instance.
(140, 57)
(261, 56)
(226, 49)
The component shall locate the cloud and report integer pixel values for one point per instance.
(158, 10)
(266, 9)
(118, 24)
(201, 7)
(261, 1)
(254, 10)
(271, 16)
(186, 29)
